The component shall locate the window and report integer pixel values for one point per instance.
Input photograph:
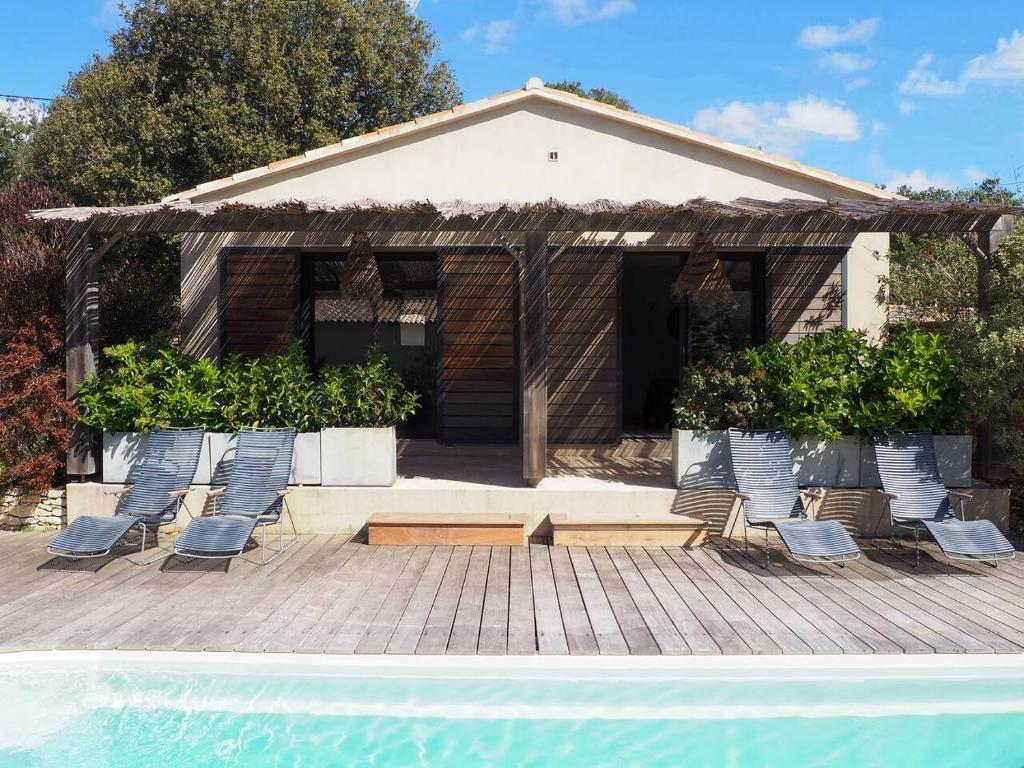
(717, 323)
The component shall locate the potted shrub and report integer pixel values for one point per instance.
(359, 405)
(713, 397)
(145, 387)
(269, 391)
(814, 386)
(913, 384)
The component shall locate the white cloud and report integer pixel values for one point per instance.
(975, 175)
(857, 83)
(412, 5)
(832, 36)
(494, 35)
(1006, 63)
(924, 80)
(878, 128)
(780, 128)
(919, 179)
(573, 12)
(906, 107)
(846, 61)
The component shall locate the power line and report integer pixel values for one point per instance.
(30, 98)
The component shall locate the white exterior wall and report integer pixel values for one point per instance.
(865, 267)
(502, 155)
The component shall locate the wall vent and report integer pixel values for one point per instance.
(553, 157)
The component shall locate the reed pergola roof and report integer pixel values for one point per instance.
(744, 215)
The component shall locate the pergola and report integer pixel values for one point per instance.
(526, 230)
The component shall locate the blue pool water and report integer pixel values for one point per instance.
(154, 709)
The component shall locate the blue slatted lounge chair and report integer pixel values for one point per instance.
(770, 498)
(917, 500)
(253, 498)
(154, 498)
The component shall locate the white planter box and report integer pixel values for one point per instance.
(306, 465)
(217, 458)
(827, 463)
(360, 456)
(701, 459)
(952, 452)
(122, 451)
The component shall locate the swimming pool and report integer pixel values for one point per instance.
(131, 709)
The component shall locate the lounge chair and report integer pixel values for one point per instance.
(156, 494)
(254, 497)
(917, 500)
(770, 498)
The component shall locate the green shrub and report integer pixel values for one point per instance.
(144, 388)
(727, 393)
(270, 391)
(366, 394)
(828, 385)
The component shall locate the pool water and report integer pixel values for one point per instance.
(143, 709)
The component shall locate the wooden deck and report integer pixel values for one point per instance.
(329, 595)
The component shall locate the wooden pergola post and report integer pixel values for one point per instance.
(533, 342)
(81, 338)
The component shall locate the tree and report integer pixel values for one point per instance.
(193, 90)
(597, 94)
(18, 118)
(977, 300)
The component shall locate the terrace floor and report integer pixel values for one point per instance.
(327, 594)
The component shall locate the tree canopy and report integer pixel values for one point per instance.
(597, 94)
(193, 90)
(18, 118)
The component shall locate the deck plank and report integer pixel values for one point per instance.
(438, 628)
(382, 627)
(494, 621)
(579, 635)
(550, 629)
(658, 622)
(602, 619)
(370, 602)
(634, 629)
(466, 628)
(522, 625)
(725, 637)
(414, 618)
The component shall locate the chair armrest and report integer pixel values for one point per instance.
(285, 492)
(118, 492)
(743, 496)
(215, 492)
(888, 495)
(960, 495)
(817, 493)
(178, 494)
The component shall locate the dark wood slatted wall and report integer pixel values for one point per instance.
(260, 302)
(805, 292)
(479, 379)
(583, 347)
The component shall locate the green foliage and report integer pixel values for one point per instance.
(828, 385)
(272, 391)
(194, 90)
(814, 384)
(366, 394)
(18, 118)
(720, 395)
(147, 387)
(603, 95)
(150, 386)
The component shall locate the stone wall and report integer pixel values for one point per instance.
(34, 511)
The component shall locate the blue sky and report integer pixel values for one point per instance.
(919, 93)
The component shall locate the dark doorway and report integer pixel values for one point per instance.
(650, 341)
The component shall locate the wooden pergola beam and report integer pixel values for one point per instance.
(533, 356)
(504, 222)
